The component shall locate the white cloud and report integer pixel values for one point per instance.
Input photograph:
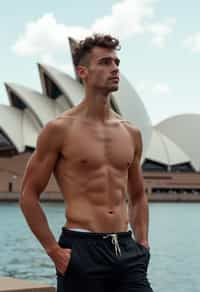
(193, 42)
(128, 18)
(160, 31)
(45, 36)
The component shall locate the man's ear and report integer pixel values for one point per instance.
(82, 71)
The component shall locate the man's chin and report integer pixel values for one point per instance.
(114, 88)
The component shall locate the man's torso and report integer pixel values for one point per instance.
(92, 173)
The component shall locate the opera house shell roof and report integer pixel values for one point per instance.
(167, 145)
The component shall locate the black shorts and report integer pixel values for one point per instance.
(103, 262)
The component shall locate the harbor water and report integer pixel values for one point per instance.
(174, 239)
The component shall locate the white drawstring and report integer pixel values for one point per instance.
(114, 242)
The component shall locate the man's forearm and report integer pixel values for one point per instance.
(37, 222)
(139, 219)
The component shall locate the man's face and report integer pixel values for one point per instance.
(102, 71)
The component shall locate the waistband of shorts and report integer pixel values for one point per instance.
(94, 235)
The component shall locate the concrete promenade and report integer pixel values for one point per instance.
(17, 285)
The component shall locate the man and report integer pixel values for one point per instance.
(95, 157)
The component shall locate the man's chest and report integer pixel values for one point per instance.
(94, 147)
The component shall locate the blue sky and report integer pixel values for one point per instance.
(160, 40)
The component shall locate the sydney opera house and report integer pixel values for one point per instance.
(171, 160)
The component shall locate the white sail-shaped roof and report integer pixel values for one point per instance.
(41, 106)
(70, 88)
(19, 127)
(30, 129)
(164, 150)
(184, 131)
(11, 120)
(61, 104)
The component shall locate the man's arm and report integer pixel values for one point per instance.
(36, 177)
(138, 202)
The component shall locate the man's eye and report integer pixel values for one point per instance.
(117, 62)
(109, 62)
(106, 61)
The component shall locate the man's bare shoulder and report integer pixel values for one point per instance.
(132, 129)
(50, 136)
(55, 130)
(68, 116)
(60, 124)
(61, 121)
(53, 126)
(135, 135)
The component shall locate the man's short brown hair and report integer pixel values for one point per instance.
(84, 47)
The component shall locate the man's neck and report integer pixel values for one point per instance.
(96, 106)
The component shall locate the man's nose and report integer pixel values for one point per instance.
(115, 67)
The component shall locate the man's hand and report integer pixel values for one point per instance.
(61, 258)
(145, 244)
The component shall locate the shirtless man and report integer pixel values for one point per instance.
(95, 157)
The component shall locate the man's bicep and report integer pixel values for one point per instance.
(41, 164)
(38, 172)
(135, 182)
(135, 176)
